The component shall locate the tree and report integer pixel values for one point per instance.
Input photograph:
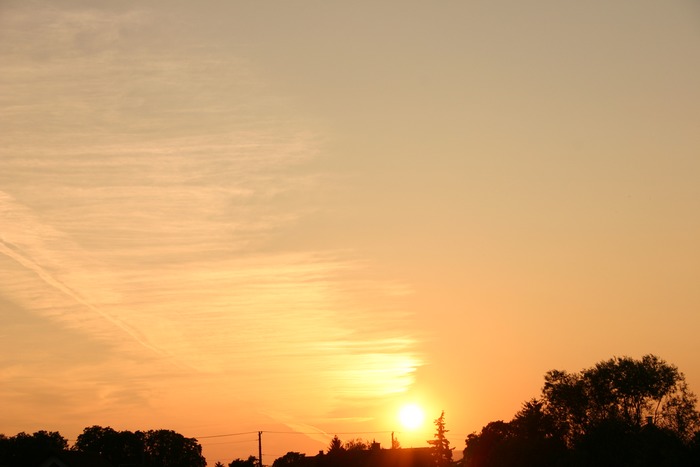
(440, 445)
(484, 449)
(167, 448)
(238, 462)
(357, 444)
(335, 446)
(23, 447)
(632, 392)
(291, 459)
(49, 440)
(118, 447)
(395, 444)
(525, 441)
(4, 449)
(620, 412)
(104, 441)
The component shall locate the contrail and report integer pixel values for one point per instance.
(11, 251)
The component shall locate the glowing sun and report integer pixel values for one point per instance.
(411, 416)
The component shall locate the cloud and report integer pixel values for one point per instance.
(139, 189)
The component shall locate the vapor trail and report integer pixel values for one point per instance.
(14, 253)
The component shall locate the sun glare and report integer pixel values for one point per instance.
(411, 416)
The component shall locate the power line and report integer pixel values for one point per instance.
(325, 433)
(296, 433)
(227, 434)
(230, 442)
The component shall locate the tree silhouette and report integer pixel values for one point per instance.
(357, 444)
(529, 440)
(250, 462)
(440, 445)
(335, 446)
(118, 447)
(632, 392)
(153, 448)
(620, 412)
(167, 448)
(25, 448)
(289, 460)
(395, 444)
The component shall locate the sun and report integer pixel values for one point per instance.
(411, 416)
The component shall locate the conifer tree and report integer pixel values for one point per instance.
(335, 446)
(440, 446)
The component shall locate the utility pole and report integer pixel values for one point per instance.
(260, 449)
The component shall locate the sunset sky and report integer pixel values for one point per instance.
(221, 217)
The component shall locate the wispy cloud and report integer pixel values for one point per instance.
(138, 188)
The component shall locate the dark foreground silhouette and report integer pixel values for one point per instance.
(101, 447)
(621, 412)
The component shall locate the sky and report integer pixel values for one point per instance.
(225, 217)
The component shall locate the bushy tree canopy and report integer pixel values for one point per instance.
(633, 392)
(619, 412)
(528, 440)
(167, 448)
(251, 461)
(15, 450)
(118, 447)
(153, 448)
(290, 459)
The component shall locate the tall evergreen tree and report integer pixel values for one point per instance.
(335, 446)
(440, 445)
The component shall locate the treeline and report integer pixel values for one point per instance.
(364, 453)
(153, 448)
(621, 412)
(357, 453)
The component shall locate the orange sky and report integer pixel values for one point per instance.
(224, 217)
